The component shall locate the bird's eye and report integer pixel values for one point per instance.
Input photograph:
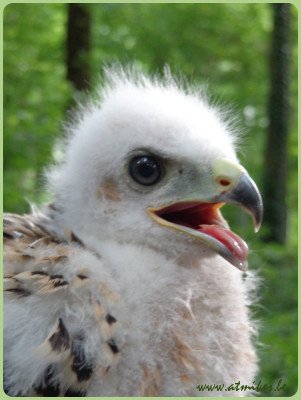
(145, 170)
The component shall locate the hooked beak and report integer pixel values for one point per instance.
(246, 195)
(202, 219)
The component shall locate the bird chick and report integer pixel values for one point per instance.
(130, 283)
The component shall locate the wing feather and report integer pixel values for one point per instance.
(60, 323)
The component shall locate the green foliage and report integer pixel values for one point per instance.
(277, 314)
(35, 96)
(223, 45)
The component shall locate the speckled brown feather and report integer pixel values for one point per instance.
(151, 381)
(27, 273)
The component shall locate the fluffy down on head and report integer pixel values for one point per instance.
(132, 112)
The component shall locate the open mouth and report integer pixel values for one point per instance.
(205, 222)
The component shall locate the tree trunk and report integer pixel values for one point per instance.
(78, 45)
(275, 178)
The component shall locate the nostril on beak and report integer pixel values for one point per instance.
(226, 173)
(225, 182)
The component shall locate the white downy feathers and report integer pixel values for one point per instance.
(100, 300)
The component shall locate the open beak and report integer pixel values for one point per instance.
(203, 220)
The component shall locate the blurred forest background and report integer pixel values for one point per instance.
(247, 53)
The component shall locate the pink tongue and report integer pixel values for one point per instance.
(233, 242)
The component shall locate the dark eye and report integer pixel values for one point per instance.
(145, 170)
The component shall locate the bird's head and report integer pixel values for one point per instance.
(152, 164)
